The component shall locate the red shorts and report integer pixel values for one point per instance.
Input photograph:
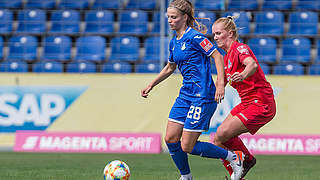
(254, 115)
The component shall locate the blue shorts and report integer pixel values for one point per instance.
(195, 116)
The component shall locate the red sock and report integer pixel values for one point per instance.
(227, 166)
(236, 144)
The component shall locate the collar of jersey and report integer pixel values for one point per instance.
(185, 32)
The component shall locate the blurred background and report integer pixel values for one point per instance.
(77, 66)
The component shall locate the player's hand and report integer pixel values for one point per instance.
(237, 77)
(219, 96)
(145, 91)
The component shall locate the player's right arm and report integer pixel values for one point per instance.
(164, 74)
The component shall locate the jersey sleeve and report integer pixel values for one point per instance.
(244, 52)
(203, 44)
(170, 60)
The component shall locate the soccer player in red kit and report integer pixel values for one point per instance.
(242, 72)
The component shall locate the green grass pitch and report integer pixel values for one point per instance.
(64, 166)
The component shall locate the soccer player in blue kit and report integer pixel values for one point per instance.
(190, 115)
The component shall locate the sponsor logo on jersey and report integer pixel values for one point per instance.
(243, 49)
(198, 37)
(183, 47)
(206, 44)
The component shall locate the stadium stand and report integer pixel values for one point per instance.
(280, 33)
(31, 21)
(48, 67)
(288, 69)
(41, 4)
(133, 22)
(314, 69)
(65, 21)
(265, 49)
(90, 48)
(23, 48)
(269, 23)
(209, 5)
(277, 5)
(265, 68)
(81, 67)
(148, 68)
(99, 22)
(6, 21)
(116, 67)
(125, 48)
(57, 48)
(14, 66)
(303, 23)
(296, 50)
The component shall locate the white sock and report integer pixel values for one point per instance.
(186, 177)
(231, 156)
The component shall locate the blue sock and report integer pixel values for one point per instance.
(205, 149)
(179, 157)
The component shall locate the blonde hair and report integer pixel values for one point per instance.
(186, 7)
(229, 25)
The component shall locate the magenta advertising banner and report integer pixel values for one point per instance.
(281, 144)
(39, 141)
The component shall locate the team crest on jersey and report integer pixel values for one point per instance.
(206, 44)
(243, 49)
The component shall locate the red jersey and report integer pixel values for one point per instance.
(253, 88)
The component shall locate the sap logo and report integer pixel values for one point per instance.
(50, 105)
(34, 107)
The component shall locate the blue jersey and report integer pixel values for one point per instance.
(192, 54)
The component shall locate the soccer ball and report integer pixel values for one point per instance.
(116, 170)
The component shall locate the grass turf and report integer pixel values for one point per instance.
(63, 166)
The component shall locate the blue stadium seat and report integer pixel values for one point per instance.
(65, 21)
(152, 49)
(22, 48)
(73, 4)
(156, 23)
(269, 23)
(243, 21)
(116, 67)
(81, 67)
(103, 4)
(57, 48)
(243, 4)
(303, 23)
(6, 21)
(32, 21)
(209, 5)
(1, 47)
(265, 49)
(277, 5)
(125, 48)
(41, 4)
(265, 68)
(100, 22)
(317, 59)
(91, 48)
(313, 5)
(314, 69)
(148, 68)
(11, 3)
(288, 69)
(133, 22)
(48, 67)
(206, 18)
(296, 50)
(14, 66)
(142, 4)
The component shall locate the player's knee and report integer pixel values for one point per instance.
(171, 139)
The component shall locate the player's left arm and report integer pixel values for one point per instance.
(220, 84)
(250, 69)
